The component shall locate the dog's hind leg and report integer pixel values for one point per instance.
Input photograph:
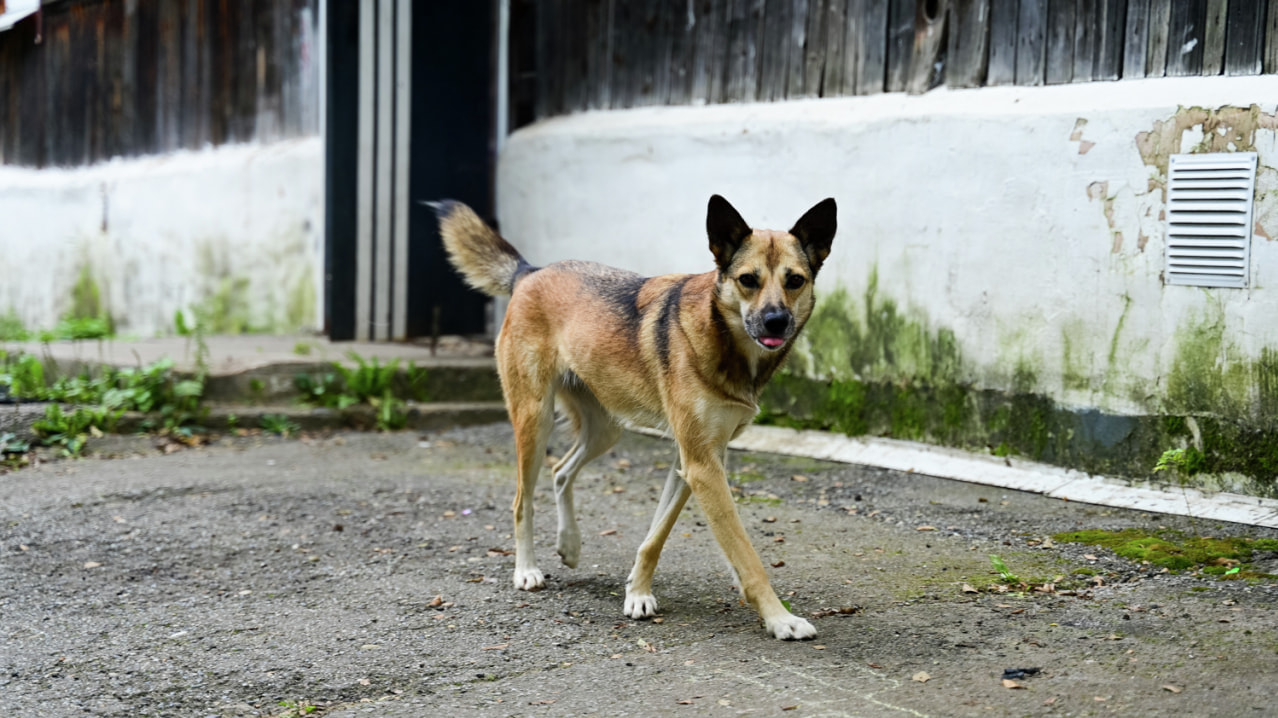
(596, 433)
(533, 419)
(640, 602)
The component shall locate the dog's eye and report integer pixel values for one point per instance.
(794, 281)
(749, 281)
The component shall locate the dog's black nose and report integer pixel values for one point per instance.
(777, 322)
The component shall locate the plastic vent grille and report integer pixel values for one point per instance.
(1209, 201)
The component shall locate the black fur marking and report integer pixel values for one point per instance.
(669, 316)
(522, 269)
(620, 290)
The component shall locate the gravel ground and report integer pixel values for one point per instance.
(369, 574)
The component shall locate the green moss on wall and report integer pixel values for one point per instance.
(873, 369)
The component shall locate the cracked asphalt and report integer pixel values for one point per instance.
(369, 574)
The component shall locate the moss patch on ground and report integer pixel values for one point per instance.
(1177, 552)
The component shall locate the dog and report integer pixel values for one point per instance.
(684, 353)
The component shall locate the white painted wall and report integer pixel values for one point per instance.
(974, 206)
(164, 233)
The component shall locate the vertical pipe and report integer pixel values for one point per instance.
(501, 128)
(364, 180)
(384, 175)
(403, 104)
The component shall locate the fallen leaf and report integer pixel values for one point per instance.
(684, 703)
(1101, 699)
(477, 579)
(779, 564)
(608, 532)
(365, 682)
(91, 564)
(969, 588)
(790, 708)
(818, 648)
(873, 665)
(925, 528)
(546, 702)
(724, 702)
(436, 602)
(499, 552)
(922, 677)
(798, 477)
(1173, 689)
(1089, 557)
(1050, 701)
(449, 514)
(1009, 683)
(770, 520)
(779, 539)
(498, 647)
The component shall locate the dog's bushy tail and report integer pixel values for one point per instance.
(486, 261)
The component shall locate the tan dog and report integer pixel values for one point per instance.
(688, 354)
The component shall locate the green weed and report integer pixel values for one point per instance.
(1003, 571)
(71, 430)
(279, 425)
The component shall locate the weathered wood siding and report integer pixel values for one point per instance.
(571, 55)
(130, 77)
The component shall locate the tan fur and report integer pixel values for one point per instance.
(684, 353)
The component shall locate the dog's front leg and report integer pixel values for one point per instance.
(705, 474)
(640, 602)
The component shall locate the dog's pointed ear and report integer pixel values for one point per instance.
(815, 231)
(726, 229)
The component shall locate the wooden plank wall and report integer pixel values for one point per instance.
(600, 54)
(118, 78)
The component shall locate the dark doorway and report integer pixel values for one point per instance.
(452, 154)
(447, 151)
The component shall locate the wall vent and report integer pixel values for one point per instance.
(1209, 201)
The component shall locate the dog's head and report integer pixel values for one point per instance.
(765, 276)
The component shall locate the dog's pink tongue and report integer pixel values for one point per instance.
(772, 342)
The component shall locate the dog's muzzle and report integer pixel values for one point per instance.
(777, 326)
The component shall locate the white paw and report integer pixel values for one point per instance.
(569, 548)
(640, 605)
(789, 627)
(529, 579)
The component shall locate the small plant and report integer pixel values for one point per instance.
(302, 349)
(324, 390)
(296, 709)
(232, 422)
(82, 328)
(370, 379)
(71, 430)
(22, 376)
(13, 451)
(279, 425)
(1182, 464)
(1004, 572)
(391, 415)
